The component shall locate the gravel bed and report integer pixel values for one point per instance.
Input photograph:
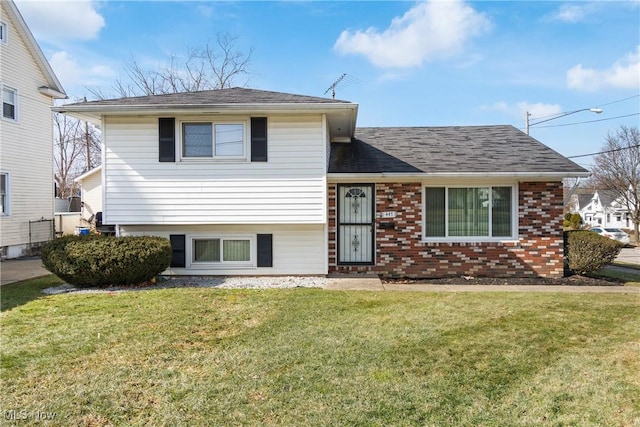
(205, 282)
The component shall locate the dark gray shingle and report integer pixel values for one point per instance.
(234, 95)
(454, 149)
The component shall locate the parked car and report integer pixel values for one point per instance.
(613, 233)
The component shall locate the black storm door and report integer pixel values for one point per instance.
(356, 223)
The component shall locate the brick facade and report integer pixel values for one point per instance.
(400, 251)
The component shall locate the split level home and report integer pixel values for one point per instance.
(29, 87)
(253, 182)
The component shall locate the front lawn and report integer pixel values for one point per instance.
(203, 357)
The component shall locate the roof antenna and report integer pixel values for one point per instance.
(345, 79)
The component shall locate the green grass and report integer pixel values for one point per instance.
(19, 293)
(202, 357)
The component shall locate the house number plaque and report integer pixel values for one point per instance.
(388, 215)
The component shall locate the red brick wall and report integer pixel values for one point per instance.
(400, 252)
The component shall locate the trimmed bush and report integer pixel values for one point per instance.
(572, 221)
(96, 261)
(588, 251)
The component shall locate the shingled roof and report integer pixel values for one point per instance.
(448, 150)
(236, 95)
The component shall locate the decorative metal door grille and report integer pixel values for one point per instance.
(356, 222)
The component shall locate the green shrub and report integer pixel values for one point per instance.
(572, 221)
(588, 251)
(95, 261)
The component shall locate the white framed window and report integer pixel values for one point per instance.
(470, 213)
(226, 251)
(214, 140)
(4, 194)
(9, 103)
(3, 32)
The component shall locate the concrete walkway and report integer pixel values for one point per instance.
(17, 270)
(375, 284)
(629, 255)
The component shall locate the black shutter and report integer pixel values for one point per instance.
(258, 139)
(178, 253)
(265, 250)
(167, 139)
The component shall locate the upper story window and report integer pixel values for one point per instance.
(4, 194)
(3, 32)
(9, 103)
(469, 213)
(214, 140)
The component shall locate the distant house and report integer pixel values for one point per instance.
(29, 87)
(601, 208)
(90, 193)
(253, 182)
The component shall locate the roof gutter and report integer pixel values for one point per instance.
(53, 93)
(94, 112)
(462, 175)
(103, 110)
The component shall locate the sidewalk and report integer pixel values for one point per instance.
(629, 255)
(17, 270)
(374, 284)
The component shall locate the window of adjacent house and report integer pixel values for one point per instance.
(468, 212)
(4, 194)
(9, 103)
(222, 250)
(213, 140)
(3, 32)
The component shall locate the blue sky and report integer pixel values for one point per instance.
(433, 63)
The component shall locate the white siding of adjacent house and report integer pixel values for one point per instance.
(91, 186)
(25, 145)
(298, 249)
(289, 188)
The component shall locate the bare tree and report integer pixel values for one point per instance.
(76, 150)
(617, 169)
(214, 66)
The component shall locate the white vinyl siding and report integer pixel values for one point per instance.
(91, 193)
(297, 248)
(26, 144)
(289, 187)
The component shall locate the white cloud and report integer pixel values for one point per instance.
(519, 109)
(428, 30)
(62, 20)
(538, 110)
(572, 13)
(624, 73)
(72, 74)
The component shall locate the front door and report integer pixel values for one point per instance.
(356, 224)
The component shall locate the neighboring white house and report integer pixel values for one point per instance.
(251, 182)
(90, 194)
(29, 87)
(601, 208)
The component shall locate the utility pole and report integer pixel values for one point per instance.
(87, 141)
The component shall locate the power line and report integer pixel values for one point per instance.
(589, 121)
(604, 152)
(619, 100)
(600, 105)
